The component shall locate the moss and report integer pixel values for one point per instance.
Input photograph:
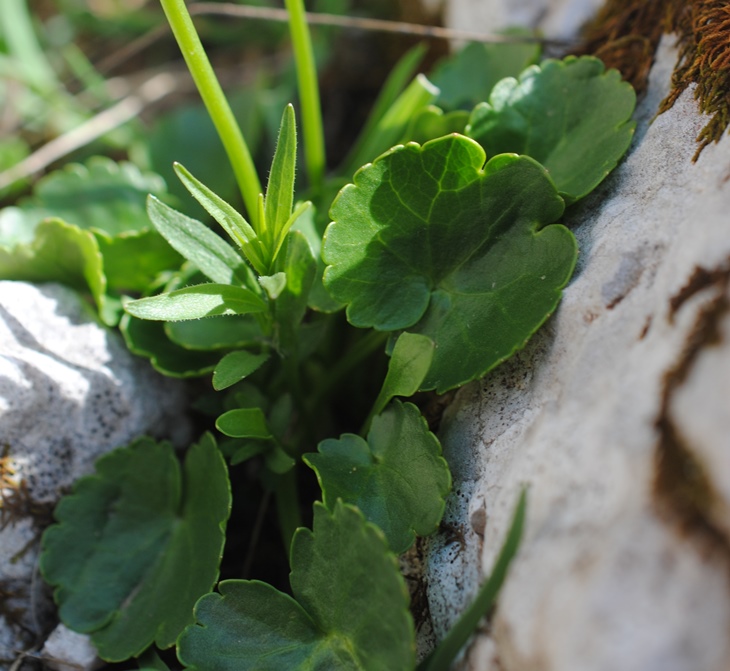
(626, 33)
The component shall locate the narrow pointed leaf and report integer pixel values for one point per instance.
(397, 478)
(280, 188)
(393, 124)
(203, 300)
(570, 115)
(349, 609)
(156, 528)
(232, 222)
(447, 650)
(399, 77)
(299, 210)
(235, 366)
(212, 255)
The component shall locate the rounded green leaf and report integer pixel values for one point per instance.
(60, 252)
(570, 115)
(216, 333)
(235, 366)
(149, 339)
(469, 76)
(397, 478)
(100, 194)
(429, 241)
(244, 423)
(349, 609)
(137, 544)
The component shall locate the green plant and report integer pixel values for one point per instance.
(451, 260)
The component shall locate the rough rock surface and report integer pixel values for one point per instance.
(556, 19)
(617, 416)
(69, 392)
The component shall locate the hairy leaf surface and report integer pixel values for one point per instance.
(428, 240)
(201, 300)
(349, 608)
(570, 115)
(137, 544)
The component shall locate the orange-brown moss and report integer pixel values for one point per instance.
(626, 33)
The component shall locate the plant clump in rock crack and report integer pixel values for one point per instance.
(420, 265)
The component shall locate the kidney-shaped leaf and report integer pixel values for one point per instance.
(570, 115)
(427, 240)
(397, 477)
(349, 608)
(137, 544)
(100, 194)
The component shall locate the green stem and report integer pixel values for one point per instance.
(443, 656)
(286, 493)
(366, 346)
(216, 104)
(294, 381)
(308, 92)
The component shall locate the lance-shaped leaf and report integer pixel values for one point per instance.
(137, 544)
(397, 478)
(391, 126)
(212, 255)
(428, 240)
(232, 221)
(570, 115)
(280, 187)
(202, 300)
(349, 608)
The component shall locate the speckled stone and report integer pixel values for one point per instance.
(69, 392)
(616, 417)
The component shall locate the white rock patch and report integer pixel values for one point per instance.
(622, 567)
(69, 392)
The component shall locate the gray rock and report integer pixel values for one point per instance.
(617, 417)
(556, 19)
(69, 392)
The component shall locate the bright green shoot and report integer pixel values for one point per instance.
(261, 242)
(308, 93)
(215, 102)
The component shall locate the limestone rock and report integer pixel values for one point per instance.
(69, 392)
(617, 417)
(556, 19)
(65, 650)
